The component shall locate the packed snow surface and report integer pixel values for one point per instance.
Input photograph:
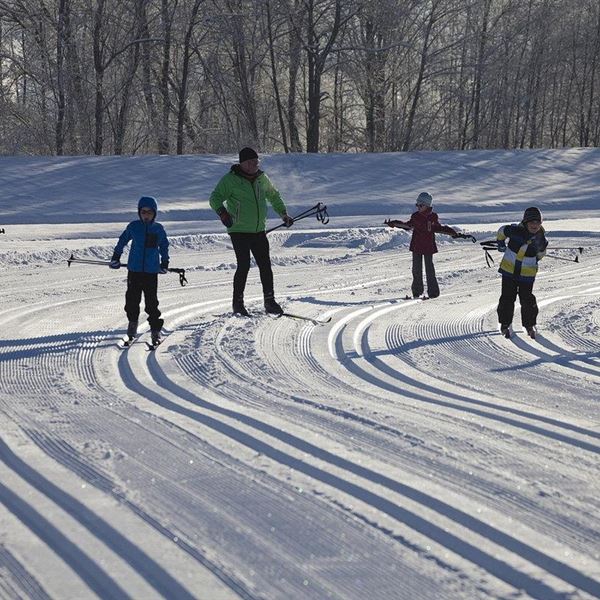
(401, 450)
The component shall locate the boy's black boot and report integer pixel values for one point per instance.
(271, 307)
(132, 329)
(155, 337)
(238, 306)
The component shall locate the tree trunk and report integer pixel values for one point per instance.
(422, 67)
(99, 71)
(181, 105)
(61, 36)
(295, 49)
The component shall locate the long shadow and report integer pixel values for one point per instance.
(143, 564)
(564, 359)
(493, 565)
(346, 360)
(332, 303)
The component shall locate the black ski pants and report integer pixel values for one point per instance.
(506, 305)
(433, 289)
(258, 245)
(148, 284)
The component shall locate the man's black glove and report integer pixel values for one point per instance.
(225, 217)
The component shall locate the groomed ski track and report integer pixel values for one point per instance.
(405, 450)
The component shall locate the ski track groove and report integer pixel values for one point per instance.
(19, 584)
(219, 425)
(231, 366)
(502, 496)
(80, 358)
(537, 557)
(76, 360)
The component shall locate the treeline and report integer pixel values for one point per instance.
(190, 76)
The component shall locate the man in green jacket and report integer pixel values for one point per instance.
(240, 200)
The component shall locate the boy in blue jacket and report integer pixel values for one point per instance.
(525, 248)
(148, 256)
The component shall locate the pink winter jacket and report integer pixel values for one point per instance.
(424, 226)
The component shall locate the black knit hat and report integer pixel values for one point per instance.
(247, 154)
(532, 214)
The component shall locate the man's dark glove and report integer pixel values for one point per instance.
(164, 268)
(225, 217)
(501, 247)
(287, 220)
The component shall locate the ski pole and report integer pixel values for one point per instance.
(576, 259)
(465, 236)
(106, 263)
(578, 248)
(319, 210)
(395, 223)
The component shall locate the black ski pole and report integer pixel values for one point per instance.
(182, 279)
(106, 263)
(578, 248)
(576, 259)
(394, 223)
(465, 236)
(319, 210)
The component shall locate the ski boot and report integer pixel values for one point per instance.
(271, 307)
(155, 337)
(132, 329)
(239, 308)
(505, 331)
(531, 332)
(131, 333)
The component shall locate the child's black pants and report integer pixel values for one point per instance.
(258, 244)
(148, 284)
(506, 306)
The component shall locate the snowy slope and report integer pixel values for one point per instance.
(404, 450)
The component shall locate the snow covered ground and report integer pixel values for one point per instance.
(404, 450)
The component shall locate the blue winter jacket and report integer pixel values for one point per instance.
(149, 244)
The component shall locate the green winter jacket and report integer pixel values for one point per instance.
(246, 200)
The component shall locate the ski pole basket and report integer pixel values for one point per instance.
(181, 272)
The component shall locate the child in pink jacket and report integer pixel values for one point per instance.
(424, 224)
